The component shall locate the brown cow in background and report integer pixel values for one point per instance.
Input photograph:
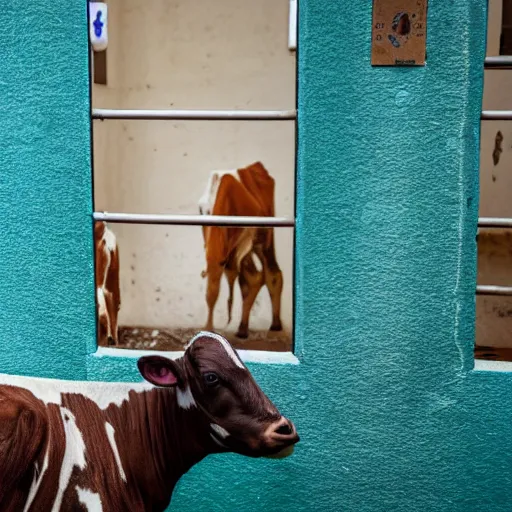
(230, 250)
(108, 295)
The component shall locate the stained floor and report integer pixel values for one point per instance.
(146, 338)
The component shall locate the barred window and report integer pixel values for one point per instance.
(494, 290)
(194, 112)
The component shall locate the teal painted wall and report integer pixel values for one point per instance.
(46, 269)
(391, 413)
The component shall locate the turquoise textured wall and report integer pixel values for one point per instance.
(391, 413)
(46, 269)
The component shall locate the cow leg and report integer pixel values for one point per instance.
(251, 280)
(115, 327)
(103, 316)
(111, 315)
(231, 275)
(113, 285)
(273, 281)
(102, 328)
(212, 292)
(114, 337)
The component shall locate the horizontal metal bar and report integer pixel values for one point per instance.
(496, 115)
(494, 222)
(194, 220)
(493, 290)
(195, 115)
(498, 62)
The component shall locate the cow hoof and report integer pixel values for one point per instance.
(242, 334)
(276, 327)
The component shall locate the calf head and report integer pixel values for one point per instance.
(239, 416)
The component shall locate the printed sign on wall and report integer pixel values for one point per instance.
(399, 32)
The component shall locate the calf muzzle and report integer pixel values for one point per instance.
(280, 438)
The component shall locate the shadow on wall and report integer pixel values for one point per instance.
(244, 256)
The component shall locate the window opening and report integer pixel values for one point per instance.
(494, 238)
(169, 173)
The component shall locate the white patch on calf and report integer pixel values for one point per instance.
(102, 302)
(102, 309)
(108, 260)
(222, 432)
(257, 263)
(228, 348)
(185, 398)
(38, 477)
(245, 245)
(110, 239)
(74, 455)
(221, 444)
(207, 201)
(50, 391)
(112, 440)
(91, 500)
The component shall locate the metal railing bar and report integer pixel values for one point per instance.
(195, 115)
(496, 115)
(193, 220)
(498, 62)
(494, 222)
(494, 290)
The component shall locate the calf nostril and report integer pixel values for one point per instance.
(284, 430)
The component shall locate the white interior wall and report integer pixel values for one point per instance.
(494, 314)
(190, 54)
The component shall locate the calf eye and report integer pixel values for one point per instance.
(210, 379)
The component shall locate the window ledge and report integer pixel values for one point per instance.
(247, 356)
(493, 366)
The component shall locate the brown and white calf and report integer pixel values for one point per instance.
(108, 294)
(69, 446)
(230, 251)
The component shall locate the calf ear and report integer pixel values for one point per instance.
(160, 371)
